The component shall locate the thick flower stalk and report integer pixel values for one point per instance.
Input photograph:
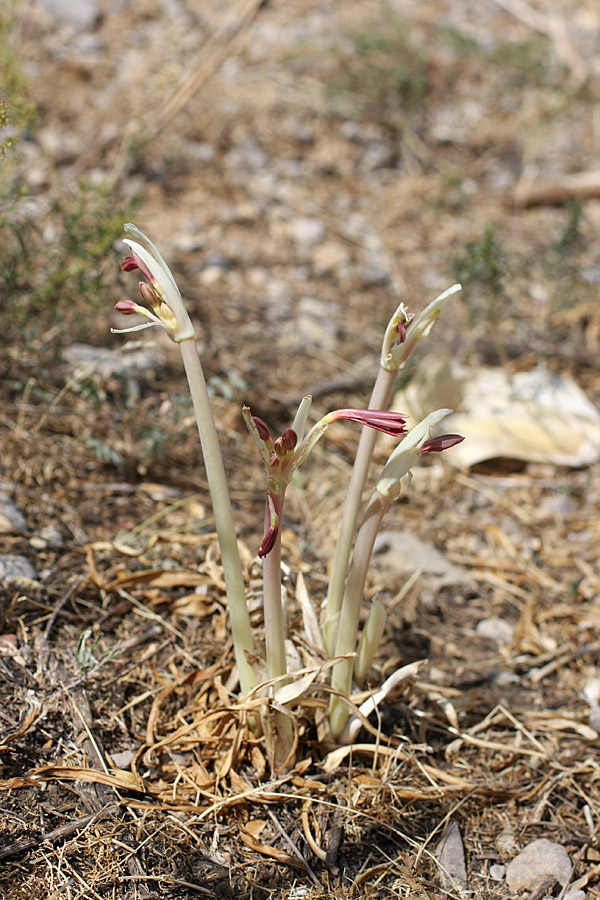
(281, 458)
(388, 488)
(402, 335)
(167, 310)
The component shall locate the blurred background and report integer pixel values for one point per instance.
(304, 166)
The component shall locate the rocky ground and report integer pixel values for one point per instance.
(303, 167)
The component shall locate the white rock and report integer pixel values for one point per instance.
(497, 872)
(11, 520)
(496, 629)
(451, 858)
(105, 362)
(536, 863)
(79, 13)
(306, 232)
(405, 553)
(15, 569)
(329, 257)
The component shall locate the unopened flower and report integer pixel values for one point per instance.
(404, 330)
(284, 455)
(390, 423)
(162, 294)
(410, 448)
(268, 542)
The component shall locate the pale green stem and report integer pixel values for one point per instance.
(219, 494)
(275, 634)
(380, 399)
(369, 641)
(274, 629)
(341, 679)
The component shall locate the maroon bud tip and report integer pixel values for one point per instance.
(402, 332)
(388, 422)
(286, 443)
(127, 307)
(443, 442)
(149, 295)
(289, 439)
(263, 432)
(129, 264)
(268, 542)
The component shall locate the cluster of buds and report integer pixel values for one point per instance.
(162, 295)
(284, 455)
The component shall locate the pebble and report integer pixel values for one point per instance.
(14, 569)
(451, 858)
(371, 275)
(78, 13)
(558, 505)
(306, 232)
(329, 258)
(49, 536)
(105, 362)
(405, 552)
(497, 872)
(496, 629)
(11, 519)
(538, 861)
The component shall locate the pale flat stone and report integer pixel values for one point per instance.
(11, 520)
(15, 569)
(79, 13)
(451, 858)
(496, 629)
(404, 552)
(537, 862)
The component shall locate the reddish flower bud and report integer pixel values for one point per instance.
(127, 307)
(443, 442)
(129, 264)
(268, 542)
(288, 439)
(149, 295)
(387, 422)
(263, 432)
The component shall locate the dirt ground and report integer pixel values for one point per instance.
(303, 167)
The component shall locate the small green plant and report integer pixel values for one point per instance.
(385, 75)
(47, 280)
(482, 269)
(281, 457)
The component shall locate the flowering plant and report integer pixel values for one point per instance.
(281, 456)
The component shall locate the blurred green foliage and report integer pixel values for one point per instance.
(385, 77)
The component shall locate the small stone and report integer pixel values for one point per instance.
(104, 362)
(497, 872)
(575, 895)
(506, 844)
(15, 569)
(451, 858)
(122, 758)
(11, 520)
(496, 629)
(536, 863)
(306, 232)
(404, 552)
(78, 13)
(211, 275)
(48, 536)
(329, 257)
(373, 275)
(557, 505)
